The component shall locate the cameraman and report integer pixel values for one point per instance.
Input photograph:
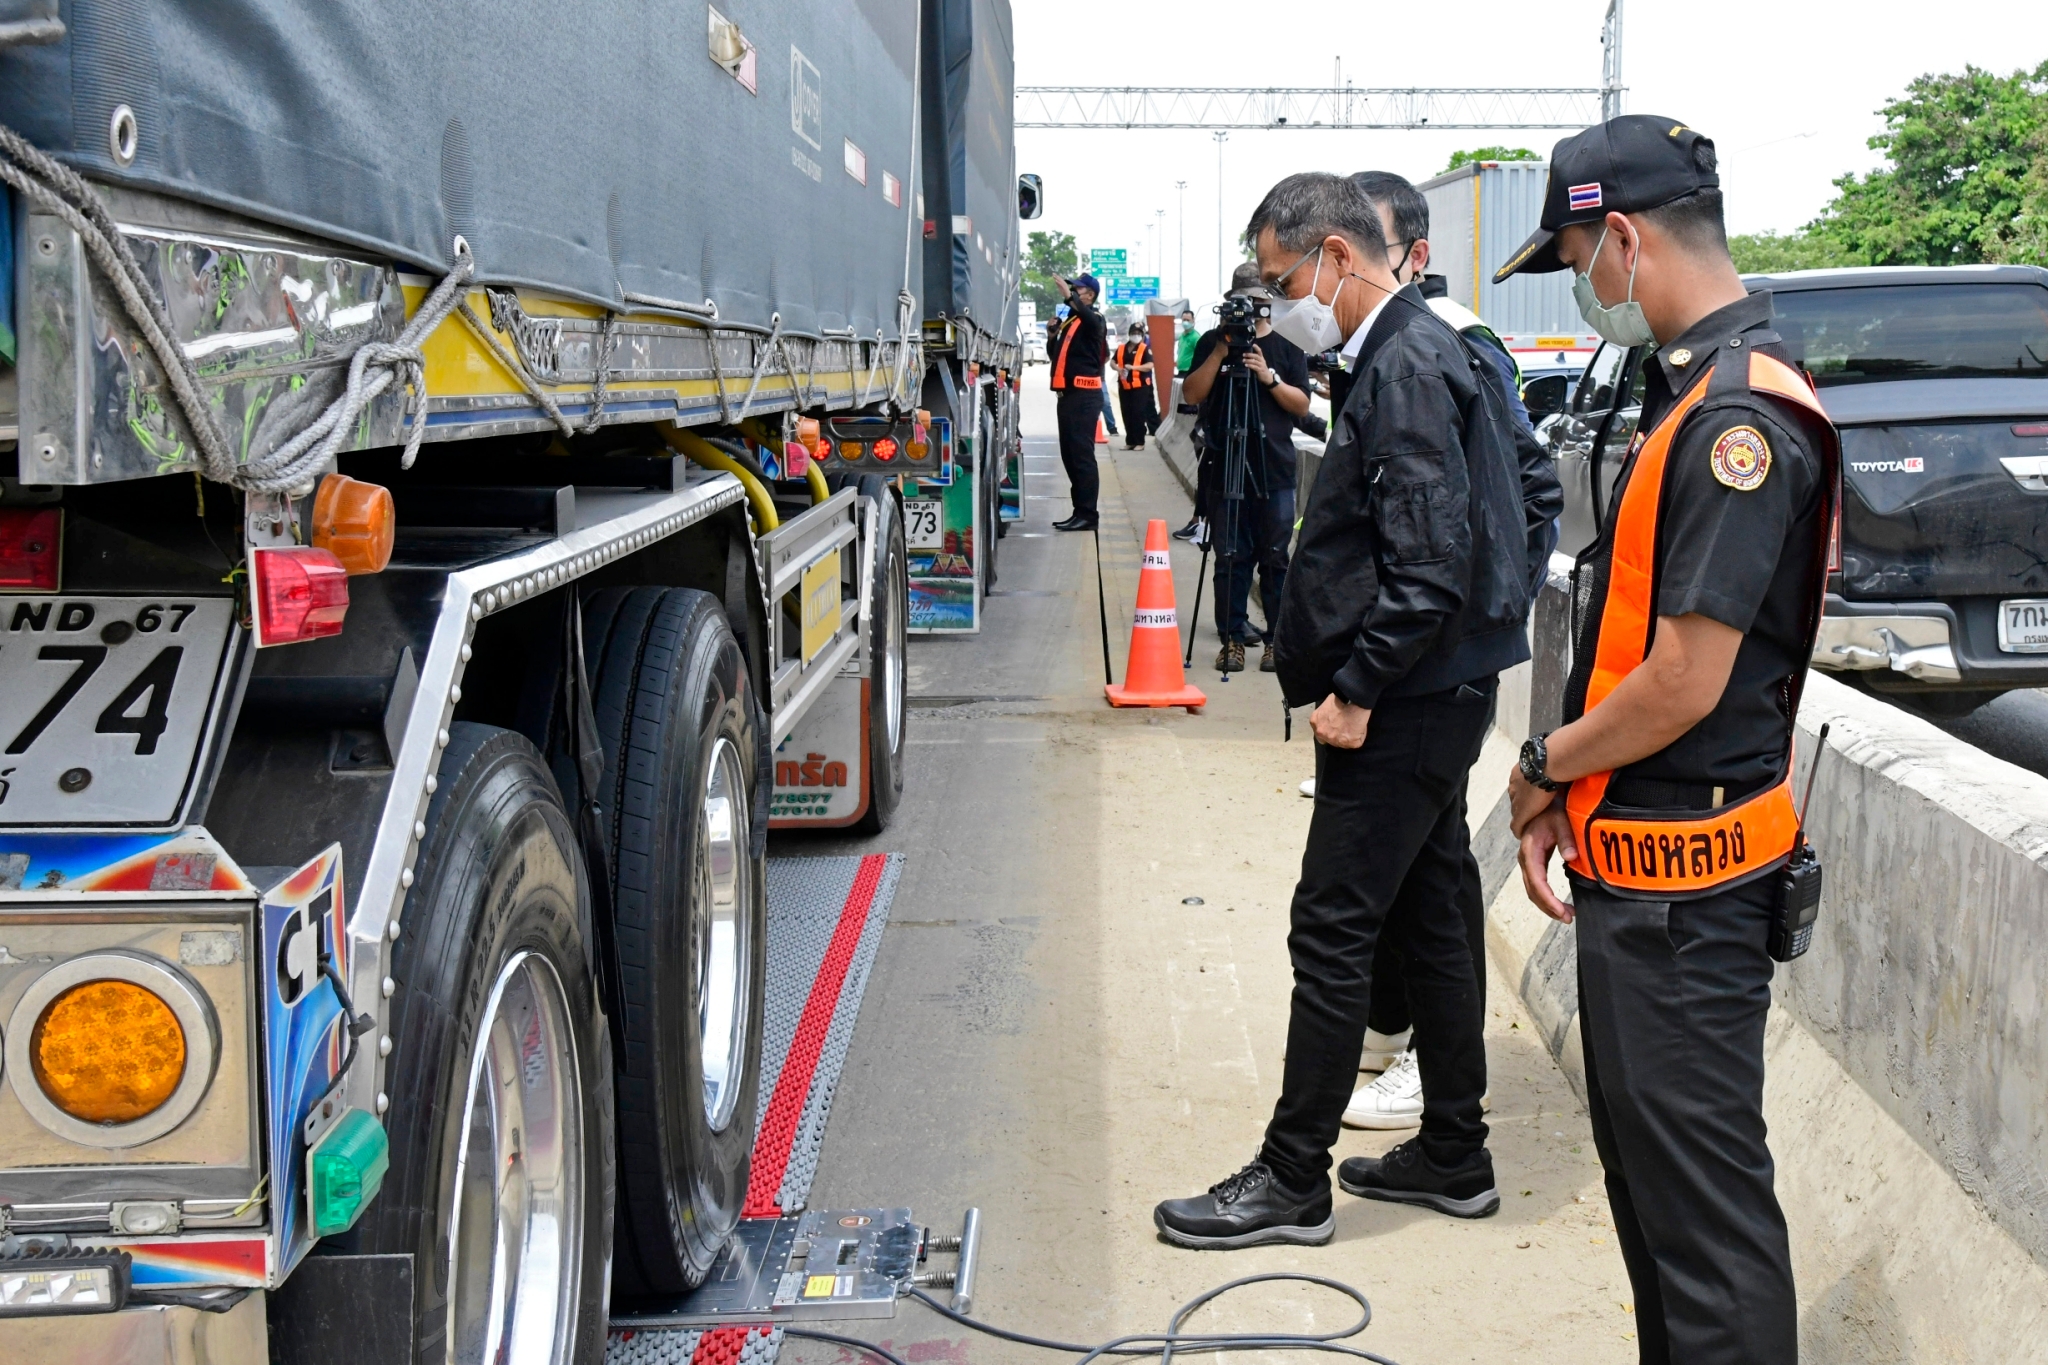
(1265, 518)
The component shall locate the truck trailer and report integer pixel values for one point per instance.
(454, 467)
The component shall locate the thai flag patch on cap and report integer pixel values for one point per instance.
(1584, 196)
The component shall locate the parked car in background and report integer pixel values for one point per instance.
(1938, 380)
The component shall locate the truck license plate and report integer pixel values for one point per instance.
(104, 705)
(2023, 625)
(922, 525)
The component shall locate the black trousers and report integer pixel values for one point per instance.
(1390, 1011)
(1264, 527)
(1672, 998)
(1386, 851)
(1078, 409)
(1140, 420)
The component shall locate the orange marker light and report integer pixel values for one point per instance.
(108, 1052)
(354, 522)
(849, 450)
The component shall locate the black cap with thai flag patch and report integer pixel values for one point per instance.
(1625, 165)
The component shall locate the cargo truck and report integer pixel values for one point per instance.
(455, 476)
(1478, 214)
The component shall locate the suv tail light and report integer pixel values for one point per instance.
(298, 593)
(31, 539)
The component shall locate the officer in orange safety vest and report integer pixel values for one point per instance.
(1133, 361)
(1667, 791)
(1079, 351)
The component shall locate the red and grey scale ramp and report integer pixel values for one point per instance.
(825, 922)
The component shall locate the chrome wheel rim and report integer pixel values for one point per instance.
(721, 926)
(892, 659)
(515, 1240)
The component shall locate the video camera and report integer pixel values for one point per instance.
(1238, 317)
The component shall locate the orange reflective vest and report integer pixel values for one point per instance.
(1130, 355)
(1674, 855)
(1060, 377)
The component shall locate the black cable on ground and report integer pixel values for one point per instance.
(1164, 1344)
(855, 1343)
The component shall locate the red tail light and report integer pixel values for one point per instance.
(30, 541)
(299, 593)
(885, 449)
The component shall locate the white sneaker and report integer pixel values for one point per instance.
(1381, 1049)
(1392, 1101)
(1308, 789)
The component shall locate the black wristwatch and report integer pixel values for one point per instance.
(1535, 758)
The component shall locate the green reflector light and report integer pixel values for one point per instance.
(344, 1170)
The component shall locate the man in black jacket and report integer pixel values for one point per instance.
(1408, 593)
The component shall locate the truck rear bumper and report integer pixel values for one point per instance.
(145, 1336)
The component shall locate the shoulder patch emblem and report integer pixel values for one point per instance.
(1741, 458)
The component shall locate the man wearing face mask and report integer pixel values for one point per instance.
(1409, 591)
(1265, 515)
(1079, 351)
(1668, 791)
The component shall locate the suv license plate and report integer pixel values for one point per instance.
(2023, 625)
(105, 704)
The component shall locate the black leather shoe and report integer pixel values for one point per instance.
(1077, 522)
(1406, 1176)
(1246, 1210)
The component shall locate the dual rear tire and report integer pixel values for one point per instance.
(517, 1127)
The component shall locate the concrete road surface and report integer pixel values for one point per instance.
(1052, 1034)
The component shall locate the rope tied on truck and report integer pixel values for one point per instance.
(374, 368)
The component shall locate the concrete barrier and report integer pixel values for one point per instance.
(1908, 1050)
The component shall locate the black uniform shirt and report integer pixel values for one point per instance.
(1089, 351)
(1289, 364)
(1744, 556)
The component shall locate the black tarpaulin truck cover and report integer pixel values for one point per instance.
(972, 264)
(594, 151)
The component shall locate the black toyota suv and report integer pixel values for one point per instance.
(1938, 380)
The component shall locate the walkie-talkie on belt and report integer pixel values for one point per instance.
(1797, 904)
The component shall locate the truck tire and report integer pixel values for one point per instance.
(487, 1128)
(677, 722)
(888, 637)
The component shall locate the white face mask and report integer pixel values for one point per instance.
(1308, 322)
(1624, 323)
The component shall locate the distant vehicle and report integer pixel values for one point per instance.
(1938, 380)
(1034, 345)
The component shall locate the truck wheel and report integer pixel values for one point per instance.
(500, 1185)
(888, 636)
(677, 721)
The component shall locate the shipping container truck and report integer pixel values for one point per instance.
(1478, 214)
(453, 476)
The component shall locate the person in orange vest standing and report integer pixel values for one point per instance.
(1133, 361)
(1079, 353)
(1668, 791)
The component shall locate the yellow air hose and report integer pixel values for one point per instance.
(711, 457)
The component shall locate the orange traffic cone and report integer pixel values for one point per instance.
(1152, 677)
(1101, 431)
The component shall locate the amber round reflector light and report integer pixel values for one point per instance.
(355, 522)
(108, 1052)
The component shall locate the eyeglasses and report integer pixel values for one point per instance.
(1276, 289)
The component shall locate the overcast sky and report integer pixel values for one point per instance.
(1788, 90)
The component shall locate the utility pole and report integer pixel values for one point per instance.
(1180, 271)
(1222, 281)
(1610, 63)
(1159, 242)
